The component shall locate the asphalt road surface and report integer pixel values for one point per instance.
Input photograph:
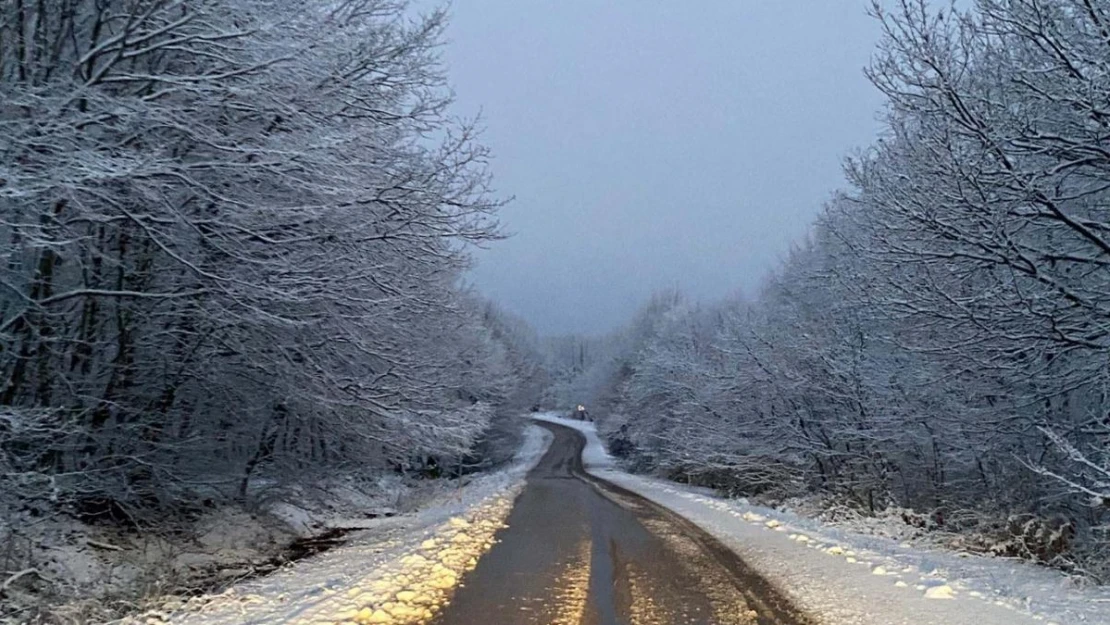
(582, 551)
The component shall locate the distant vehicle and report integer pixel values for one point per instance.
(581, 414)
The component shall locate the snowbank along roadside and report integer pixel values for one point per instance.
(841, 577)
(399, 570)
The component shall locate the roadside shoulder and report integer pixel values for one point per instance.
(398, 571)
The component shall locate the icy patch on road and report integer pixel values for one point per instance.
(400, 571)
(842, 577)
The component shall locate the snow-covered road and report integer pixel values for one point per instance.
(843, 578)
(579, 552)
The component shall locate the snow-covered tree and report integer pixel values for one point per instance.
(940, 340)
(233, 233)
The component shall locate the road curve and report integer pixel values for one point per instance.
(582, 551)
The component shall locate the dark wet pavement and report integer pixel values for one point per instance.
(581, 551)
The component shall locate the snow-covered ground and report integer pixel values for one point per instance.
(843, 577)
(397, 570)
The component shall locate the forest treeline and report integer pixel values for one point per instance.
(233, 233)
(940, 344)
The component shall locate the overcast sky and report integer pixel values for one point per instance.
(656, 143)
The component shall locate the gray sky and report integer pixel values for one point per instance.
(656, 143)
